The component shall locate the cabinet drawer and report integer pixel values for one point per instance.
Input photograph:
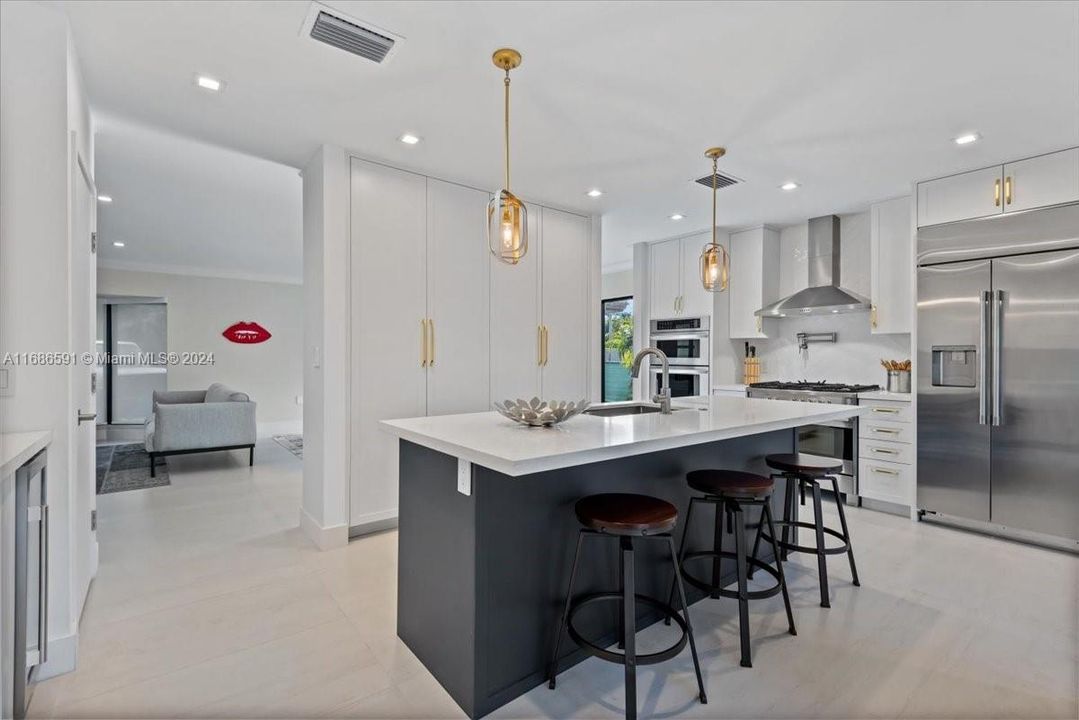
(893, 411)
(885, 451)
(872, 429)
(886, 481)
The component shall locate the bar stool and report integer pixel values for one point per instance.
(732, 491)
(807, 471)
(626, 517)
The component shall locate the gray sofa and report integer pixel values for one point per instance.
(191, 421)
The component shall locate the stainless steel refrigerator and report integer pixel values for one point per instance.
(998, 372)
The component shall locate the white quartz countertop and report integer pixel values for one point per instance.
(17, 448)
(884, 395)
(493, 441)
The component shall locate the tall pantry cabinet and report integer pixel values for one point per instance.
(439, 326)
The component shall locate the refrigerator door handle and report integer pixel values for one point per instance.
(983, 358)
(998, 364)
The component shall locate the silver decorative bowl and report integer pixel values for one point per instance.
(540, 413)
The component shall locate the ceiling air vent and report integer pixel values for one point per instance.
(349, 34)
(722, 181)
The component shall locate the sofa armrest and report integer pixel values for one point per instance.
(170, 397)
(189, 426)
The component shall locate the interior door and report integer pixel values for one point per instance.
(1035, 459)
(458, 375)
(388, 239)
(83, 375)
(953, 430)
(566, 307)
(515, 320)
(666, 275)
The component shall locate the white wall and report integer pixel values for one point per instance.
(617, 284)
(200, 308)
(324, 515)
(856, 356)
(41, 104)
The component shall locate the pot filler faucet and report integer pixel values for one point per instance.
(663, 397)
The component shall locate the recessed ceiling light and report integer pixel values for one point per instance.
(789, 185)
(208, 83)
(104, 198)
(409, 139)
(967, 139)
(117, 244)
(594, 192)
(677, 216)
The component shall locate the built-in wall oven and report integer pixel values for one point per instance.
(687, 345)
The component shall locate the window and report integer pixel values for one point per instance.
(617, 349)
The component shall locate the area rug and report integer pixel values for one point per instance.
(127, 467)
(292, 443)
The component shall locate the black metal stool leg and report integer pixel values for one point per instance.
(757, 540)
(622, 604)
(822, 565)
(788, 505)
(685, 613)
(552, 669)
(629, 616)
(717, 563)
(743, 601)
(846, 533)
(766, 514)
(678, 557)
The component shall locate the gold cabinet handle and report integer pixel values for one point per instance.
(423, 342)
(873, 316)
(885, 410)
(431, 345)
(883, 451)
(886, 432)
(882, 471)
(996, 192)
(539, 345)
(546, 344)
(1008, 190)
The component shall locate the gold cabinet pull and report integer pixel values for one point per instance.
(873, 316)
(996, 192)
(546, 344)
(893, 411)
(423, 342)
(882, 471)
(886, 432)
(431, 345)
(539, 345)
(1008, 190)
(882, 451)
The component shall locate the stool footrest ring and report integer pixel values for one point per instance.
(617, 657)
(723, 592)
(811, 549)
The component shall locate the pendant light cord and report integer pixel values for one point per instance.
(507, 85)
(715, 170)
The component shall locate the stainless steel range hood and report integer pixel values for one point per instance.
(824, 295)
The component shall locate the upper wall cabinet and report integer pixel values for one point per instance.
(674, 274)
(754, 280)
(1036, 182)
(891, 246)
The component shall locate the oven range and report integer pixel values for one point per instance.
(835, 440)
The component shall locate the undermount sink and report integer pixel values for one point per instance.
(626, 408)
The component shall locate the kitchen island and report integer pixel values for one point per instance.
(487, 528)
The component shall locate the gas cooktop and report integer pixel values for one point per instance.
(809, 386)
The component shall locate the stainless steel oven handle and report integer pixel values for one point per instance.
(998, 359)
(983, 358)
(43, 587)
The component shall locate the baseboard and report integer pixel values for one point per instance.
(373, 523)
(63, 657)
(325, 538)
(886, 507)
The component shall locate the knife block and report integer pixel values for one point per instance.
(751, 370)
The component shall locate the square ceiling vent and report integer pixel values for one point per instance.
(336, 29)
(721, 181)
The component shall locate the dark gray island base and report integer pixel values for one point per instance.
(481, 577)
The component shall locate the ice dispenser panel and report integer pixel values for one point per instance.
(955, 366)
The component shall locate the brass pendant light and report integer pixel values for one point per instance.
(715, 261)
(507, 216)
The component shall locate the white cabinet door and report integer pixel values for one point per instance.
(890, 257)
(515, 319)
(458, 375)
(975, 194)
(1040, 181)
(696, 301)
(565, 303)
(666, 279)
(754, 280)
(388, 237)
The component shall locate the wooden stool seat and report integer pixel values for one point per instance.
(730, 483)
(626, 514)
(803, 463)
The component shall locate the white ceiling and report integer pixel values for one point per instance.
(852, 100)
(181, 205)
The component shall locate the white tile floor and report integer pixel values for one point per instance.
(209, 603)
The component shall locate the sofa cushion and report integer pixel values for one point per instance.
(218, 392)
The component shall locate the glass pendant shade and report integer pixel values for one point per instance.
(715, 267)
(507, 227)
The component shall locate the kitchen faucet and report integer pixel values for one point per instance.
(663, 397)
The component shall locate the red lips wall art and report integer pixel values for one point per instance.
(246, 333)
